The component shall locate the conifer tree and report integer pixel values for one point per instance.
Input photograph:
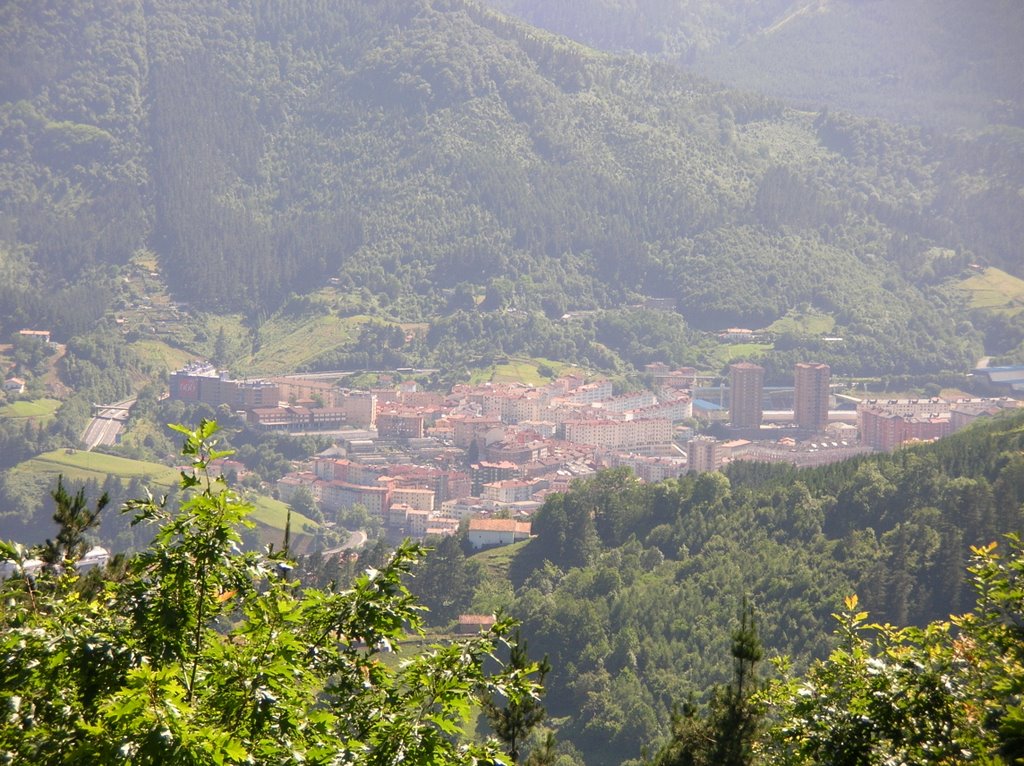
(74, 519)
(734, 717)
(515, 719)
(724, 735)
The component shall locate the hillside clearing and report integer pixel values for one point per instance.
(77, 466)
(287, 344)
(995, 290)
(35, 408)
(518, 370)
(803, 323)
(161, 355)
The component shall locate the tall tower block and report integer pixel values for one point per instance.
(810, 397)
(746, 392)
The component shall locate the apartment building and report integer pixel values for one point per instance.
(339, 495)
(646, 468)
(634, 435)
(588, 393)
(467, 428)
(507, 491)
(201, 382)
(746, 394)
(400, 424)
(884, 430)
(415, 497)
(485, 472)
(811, 395)
(704, 454)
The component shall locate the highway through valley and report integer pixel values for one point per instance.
(106, 423)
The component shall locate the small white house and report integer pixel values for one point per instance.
(94, 557)
(485, 533)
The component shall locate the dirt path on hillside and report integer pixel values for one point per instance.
(54, 385)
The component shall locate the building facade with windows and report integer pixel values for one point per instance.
(810, 396)
(746, 394)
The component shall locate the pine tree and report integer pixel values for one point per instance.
(724, 735)
(734, 719)
(545, 754)
(513, 721)
(74, 520)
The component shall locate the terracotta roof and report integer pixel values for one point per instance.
(476, 619)
(499, 525)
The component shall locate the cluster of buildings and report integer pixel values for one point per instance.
(12, 384)
(887, 424)
(811, 433)
(486, 456)
(287, 403)
(811, 382)
(95, 557)
(1008, 378)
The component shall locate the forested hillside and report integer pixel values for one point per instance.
(633, 590)
(444, 164)
(939, 62)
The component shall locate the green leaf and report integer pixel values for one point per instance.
(235, 750)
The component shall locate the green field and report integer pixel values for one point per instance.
(287, 344)
(494, 591)
(995, 290)
(803, 323)
(496, 561)
(734, 352)
(520, 370)
(37, 408)
(274, 513)
(271, 516)
(80, 466)
(161, 355)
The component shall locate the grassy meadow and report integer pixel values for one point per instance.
(995, 290)
(78, 466)
(39, 409)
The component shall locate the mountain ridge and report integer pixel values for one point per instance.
(414, 150)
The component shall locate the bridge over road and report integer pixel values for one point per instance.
(106, 424)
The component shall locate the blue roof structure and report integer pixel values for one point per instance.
(704, 404)
(1011, 374)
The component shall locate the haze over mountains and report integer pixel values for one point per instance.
(938, 62)
(294, 185)
(423, 153)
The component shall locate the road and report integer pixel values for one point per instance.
(356, 540)
(106, 424)
(337, 374)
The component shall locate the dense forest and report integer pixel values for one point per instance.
(441, 163)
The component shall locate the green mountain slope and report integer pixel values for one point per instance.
(421, 152)
(633, 590)
(939, 62)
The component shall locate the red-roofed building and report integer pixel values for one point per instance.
(486, 533)
(471, 624)
(398, 424)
